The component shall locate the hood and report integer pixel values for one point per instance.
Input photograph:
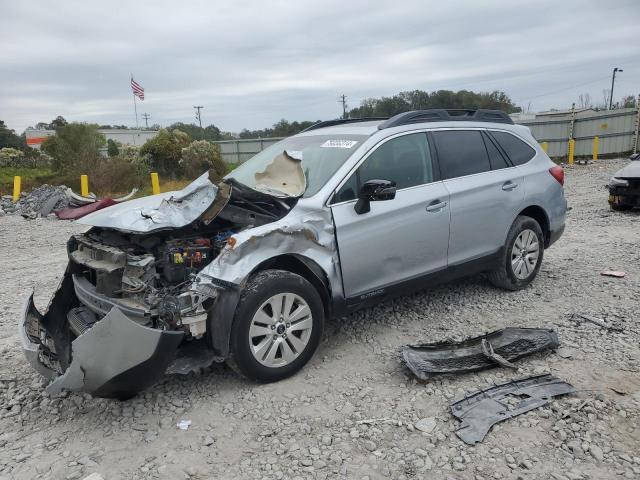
(630, 171)
(157, 212)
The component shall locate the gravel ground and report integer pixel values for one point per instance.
(351, 412)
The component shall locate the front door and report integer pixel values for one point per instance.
(397, 239)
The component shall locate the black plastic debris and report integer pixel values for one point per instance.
(483, 409)
(496, 348)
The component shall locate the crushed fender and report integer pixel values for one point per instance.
(496, 348)
(479, 411)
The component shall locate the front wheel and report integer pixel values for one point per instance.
(277, 327)
(522, 258)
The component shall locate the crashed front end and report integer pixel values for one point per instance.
(135, 294)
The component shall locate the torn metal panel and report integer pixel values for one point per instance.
(283, 177)
(480, 411)
(308, 232)
(158, 212)
(496, 348)
(117, 358)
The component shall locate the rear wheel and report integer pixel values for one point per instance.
(277, 326)
(620, 208)
(522, 256)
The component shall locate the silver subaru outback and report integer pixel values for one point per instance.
(247, 269)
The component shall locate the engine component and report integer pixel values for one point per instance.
(183, 257)
(80, 320)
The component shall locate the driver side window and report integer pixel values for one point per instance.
(405, 160)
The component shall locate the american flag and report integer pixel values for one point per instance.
(138, 91)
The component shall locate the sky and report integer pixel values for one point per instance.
(251, 63)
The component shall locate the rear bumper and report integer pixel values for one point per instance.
(116, 357)
(554, 235)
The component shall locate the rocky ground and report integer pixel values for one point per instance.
(351, 413)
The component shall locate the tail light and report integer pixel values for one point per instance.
(558, 173)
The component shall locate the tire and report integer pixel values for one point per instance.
(516, 276)
(269, 343)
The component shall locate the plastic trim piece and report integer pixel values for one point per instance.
(471, 355)
(483, 409)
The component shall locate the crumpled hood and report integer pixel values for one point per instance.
(630, 171)
(157, 212)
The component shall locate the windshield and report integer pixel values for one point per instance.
(319, 156)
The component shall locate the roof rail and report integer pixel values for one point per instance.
(340, 121)
(447, 115)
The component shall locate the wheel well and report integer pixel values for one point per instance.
(539, 215)
(307, 269)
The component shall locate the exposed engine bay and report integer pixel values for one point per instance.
(151, 277)
(131, 301)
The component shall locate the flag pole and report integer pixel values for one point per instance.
(135, 107)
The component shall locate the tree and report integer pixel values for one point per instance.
(164, 152)
(210, 132)
(55, 124)
(75, 148)
(420, 100)
(584, 100)
(628, 101)
(200, 156)
(112, 148)
(9, 139)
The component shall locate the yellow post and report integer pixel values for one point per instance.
(596, 142)
(155, 183)
(17, 180)
(572, 148)
(84, 185)
(545, 147)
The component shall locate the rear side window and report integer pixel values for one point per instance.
(495, 157)
(461, 153)
(519, 152)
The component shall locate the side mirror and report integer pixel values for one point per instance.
(374, 191)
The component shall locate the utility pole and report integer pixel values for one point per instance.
(146, 117)
(613, 82)
(343, 100)
(199, 118)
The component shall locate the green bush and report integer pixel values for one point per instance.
(75, 148)
(163, 152)
(201, 156)
(10, 157)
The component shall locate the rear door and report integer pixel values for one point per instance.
(398, 239)
(485, 192)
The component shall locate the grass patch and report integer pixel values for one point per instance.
(31, 177)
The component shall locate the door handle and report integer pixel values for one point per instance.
(508, 186)
(436, 206)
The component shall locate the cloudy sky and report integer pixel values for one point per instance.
(251, 63)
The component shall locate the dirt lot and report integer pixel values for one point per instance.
(351, 412)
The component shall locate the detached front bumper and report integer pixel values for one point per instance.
(115, 358)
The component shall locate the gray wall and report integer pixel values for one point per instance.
(238, 151)
(616, 129)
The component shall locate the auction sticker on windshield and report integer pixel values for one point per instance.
(339, 144)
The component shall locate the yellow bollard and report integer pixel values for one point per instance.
(572, 149)
(155, 183)
(17, 180)
(545, 147)
(84, 185)
(596, 143)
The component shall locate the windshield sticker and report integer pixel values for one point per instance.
(339, 144)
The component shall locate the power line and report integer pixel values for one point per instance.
(146, 117)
